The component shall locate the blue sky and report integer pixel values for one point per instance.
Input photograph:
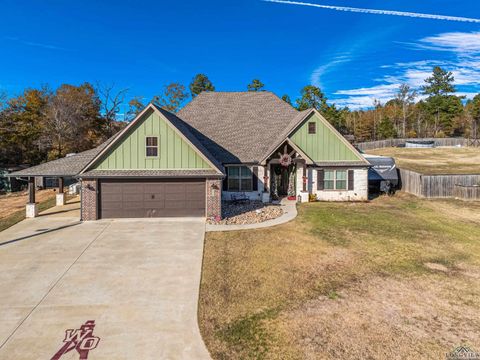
(143, 45)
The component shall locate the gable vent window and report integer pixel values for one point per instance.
(152, 146)
(312, 128)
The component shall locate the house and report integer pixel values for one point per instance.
(219, 145)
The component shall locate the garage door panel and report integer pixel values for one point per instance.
(154, 205)
(195, 196)
(195, 204)
(114, 196)
(175, 188)
(149, 198)
(154, 188)
(174, 204)
(112, 189)
(176, 196)
(133, 197)
(132, 188)
(131, 205)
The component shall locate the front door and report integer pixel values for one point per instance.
(282, 182)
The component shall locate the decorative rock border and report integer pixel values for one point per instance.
(289, 208)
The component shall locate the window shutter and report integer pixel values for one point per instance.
(225, 181)
(255, 178)
(320, 178)
(350, 179)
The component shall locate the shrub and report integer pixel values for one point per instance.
(440, 134)
(411, 134)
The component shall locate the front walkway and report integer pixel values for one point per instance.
(289, 208)
(138, 280)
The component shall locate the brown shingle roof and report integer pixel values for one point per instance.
(66, 166)
(238, 126)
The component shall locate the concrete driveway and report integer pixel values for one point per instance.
(138, 280)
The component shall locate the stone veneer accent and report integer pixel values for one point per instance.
(89, 200)
(214, 197)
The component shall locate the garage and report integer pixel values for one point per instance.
(151, 198)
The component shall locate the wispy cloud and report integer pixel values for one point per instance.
(464, 64)
(379, 12)
(315, 77)
(35, 44)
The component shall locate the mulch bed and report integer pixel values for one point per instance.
(252, 212)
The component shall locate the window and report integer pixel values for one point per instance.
(312, 128)
(329, 180)
(239, 178)
(335, 180)
(341, 180)
(151, 146)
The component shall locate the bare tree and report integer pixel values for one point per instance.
(405, 98)
(378, 107)
(111, 103)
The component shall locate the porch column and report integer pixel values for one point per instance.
(266, 178)
(60, 195)
(31, 208)
(304, 178)
(266, 182)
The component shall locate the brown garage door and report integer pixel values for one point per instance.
(141, 199)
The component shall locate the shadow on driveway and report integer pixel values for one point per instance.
(38, 233)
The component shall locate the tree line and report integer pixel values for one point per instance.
(44, 124)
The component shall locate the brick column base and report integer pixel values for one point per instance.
(89, 200)
(214, 198)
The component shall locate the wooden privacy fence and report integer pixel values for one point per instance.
(440, 186)
(395, 142)
(467, 192)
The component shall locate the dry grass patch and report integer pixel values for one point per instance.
(464, 160)
(273, 293)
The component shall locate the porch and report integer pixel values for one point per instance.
(285, 174)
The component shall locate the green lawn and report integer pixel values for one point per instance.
(18, 216)
(394, 278)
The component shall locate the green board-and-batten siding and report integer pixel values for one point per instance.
(173, 151)
(325, 145)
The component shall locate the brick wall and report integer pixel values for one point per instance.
(89, 200)
(214, 197)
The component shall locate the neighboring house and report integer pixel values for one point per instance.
(222, 144)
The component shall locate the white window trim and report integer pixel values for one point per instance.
(240, 178)
(157, 147)
(335, 180)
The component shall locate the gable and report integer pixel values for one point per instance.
(129, 153)
(325, 145)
